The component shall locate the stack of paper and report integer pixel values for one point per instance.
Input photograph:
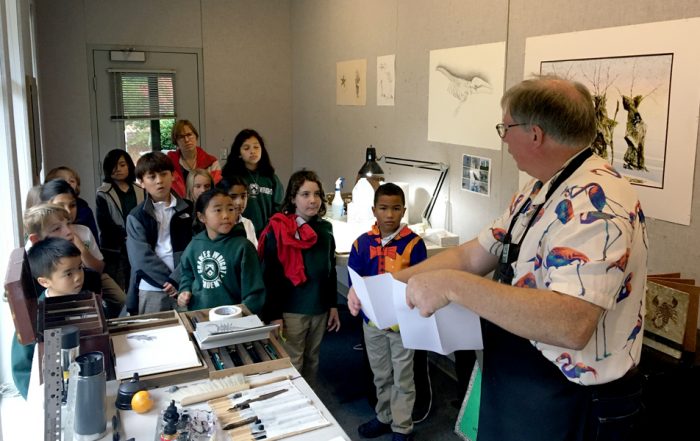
(152, 351)
(450, 329)
(218, 333)
(375, 294)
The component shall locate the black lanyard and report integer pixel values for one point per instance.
(510, 251)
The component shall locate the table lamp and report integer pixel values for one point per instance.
(371, 168)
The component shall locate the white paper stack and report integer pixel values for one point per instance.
(450, 329)
(215, 334)
(375, 294)
(152, 351)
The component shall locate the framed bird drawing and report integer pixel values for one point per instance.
(466, 85)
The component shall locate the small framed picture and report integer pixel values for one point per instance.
(476, 174)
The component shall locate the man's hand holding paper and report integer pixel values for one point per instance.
(421, 293)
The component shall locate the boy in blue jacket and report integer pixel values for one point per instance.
(389, 247)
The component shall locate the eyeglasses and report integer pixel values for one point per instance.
(502, 128)
(186, 135)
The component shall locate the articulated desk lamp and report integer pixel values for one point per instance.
(371, 168)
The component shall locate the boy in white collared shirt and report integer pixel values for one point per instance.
(158, 231)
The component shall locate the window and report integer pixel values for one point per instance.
(143, 95)
(145, 102)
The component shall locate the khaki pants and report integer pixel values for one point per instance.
(392, 366)
(303, 335)
(155, 301)
(113, 296)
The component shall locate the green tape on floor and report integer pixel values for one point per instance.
(468, 420)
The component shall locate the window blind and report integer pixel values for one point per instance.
(143, 95)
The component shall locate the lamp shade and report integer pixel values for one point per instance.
(370, 167)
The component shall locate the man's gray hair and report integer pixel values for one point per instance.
(562, 108)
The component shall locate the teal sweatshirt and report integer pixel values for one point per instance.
(21, 360)
(265, 196)
(315, 296)
(223, 271)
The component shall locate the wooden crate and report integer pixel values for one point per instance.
(32, 317)
(83, 311)
(190, 318)
(133, 323)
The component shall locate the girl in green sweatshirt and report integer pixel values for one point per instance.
(220, 266)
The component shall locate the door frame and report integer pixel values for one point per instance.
(97, 163)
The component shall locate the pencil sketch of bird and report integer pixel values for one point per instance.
(461, 88)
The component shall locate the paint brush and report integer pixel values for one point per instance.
(230, 399)
(240, 423)
(266, 396)
(291, 407)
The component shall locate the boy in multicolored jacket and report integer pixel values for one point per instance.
(389, 247)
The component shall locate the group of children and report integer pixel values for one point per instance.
(169, 252)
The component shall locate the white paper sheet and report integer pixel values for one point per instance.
(451, 328)
(375, 294)
(151, 351)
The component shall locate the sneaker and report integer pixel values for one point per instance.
(396, 436)
(373, 428)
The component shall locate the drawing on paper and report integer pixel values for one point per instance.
(631, 96)
(476, 176)
(652, 142)
(462, 88)
(351, 83)
(385, 80)
(465, 90)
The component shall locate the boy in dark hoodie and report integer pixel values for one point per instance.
(157, 232)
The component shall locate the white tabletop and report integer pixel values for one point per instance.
(143, 426)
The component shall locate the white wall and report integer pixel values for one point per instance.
(15, 170)
(270, 64)
(247, 75)
(246, 64)
(332, 139)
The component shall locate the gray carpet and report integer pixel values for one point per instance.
(344, 385)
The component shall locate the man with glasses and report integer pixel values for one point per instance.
(562, 318)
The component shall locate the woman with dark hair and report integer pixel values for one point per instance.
(189, 156)
(249, 159)
(115, 199)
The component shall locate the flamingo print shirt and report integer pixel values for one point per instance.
(589, 241)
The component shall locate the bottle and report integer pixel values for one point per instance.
(70, 348)
(171, 414)
(337, 204)
(91, 389)
(169, 432)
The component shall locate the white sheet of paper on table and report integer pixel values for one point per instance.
(451, 328)
(375, 294)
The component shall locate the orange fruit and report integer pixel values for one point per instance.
(141, 402)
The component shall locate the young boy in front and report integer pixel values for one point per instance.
(389, 247)
(57, 266)
(157, 232)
